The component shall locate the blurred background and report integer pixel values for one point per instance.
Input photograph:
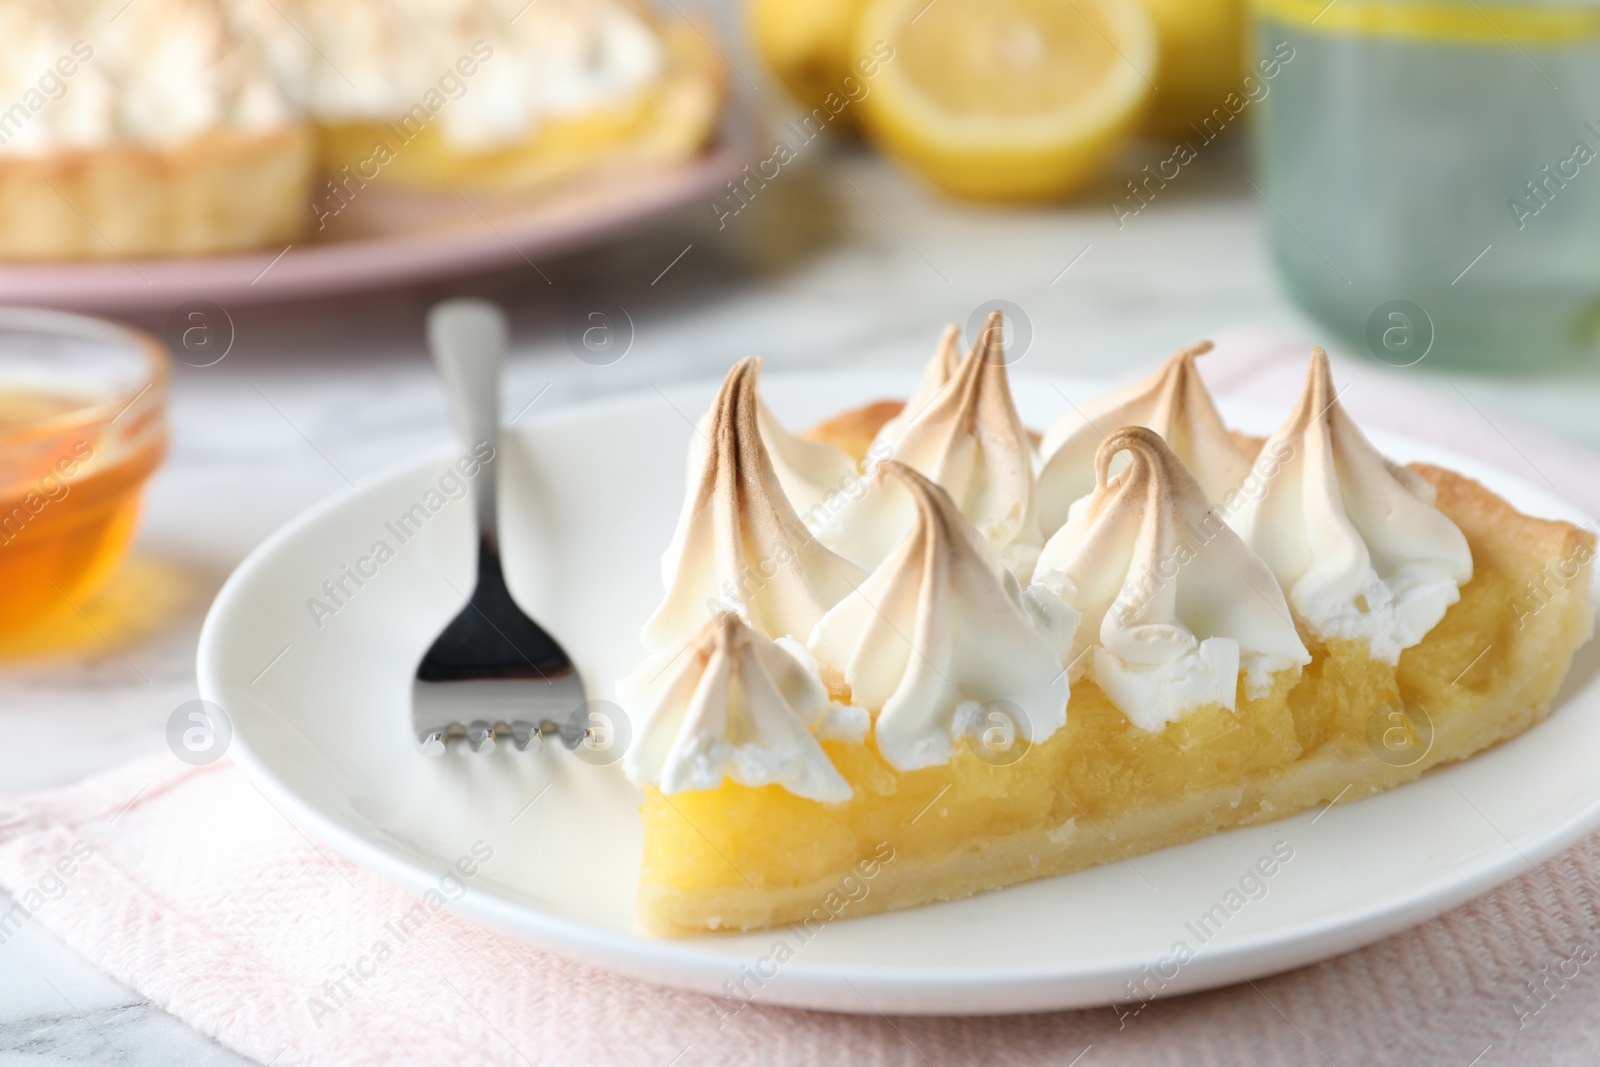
(257, 200)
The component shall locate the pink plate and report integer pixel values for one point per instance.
(385, 237)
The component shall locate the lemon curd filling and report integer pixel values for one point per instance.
(1099, 764)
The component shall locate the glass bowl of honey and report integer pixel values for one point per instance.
(82, 425)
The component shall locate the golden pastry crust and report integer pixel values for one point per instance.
(226, 191)
(1487, 672)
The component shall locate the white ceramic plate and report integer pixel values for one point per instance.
(589, 498)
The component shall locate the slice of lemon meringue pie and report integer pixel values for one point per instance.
(921, 688)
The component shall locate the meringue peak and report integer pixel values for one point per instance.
(940, 637)
(969, 440)
(1353, 538)
(808, 471)
(730, 703)
(739, 544)
(935, 377)
(1173, 603)
(1174, 402)
(979, 392)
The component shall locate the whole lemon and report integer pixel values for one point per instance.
(1201, 44)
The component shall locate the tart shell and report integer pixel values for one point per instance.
(225, 191)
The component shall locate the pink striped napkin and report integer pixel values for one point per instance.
(187, 885)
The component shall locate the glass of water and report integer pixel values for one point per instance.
(1431, 172)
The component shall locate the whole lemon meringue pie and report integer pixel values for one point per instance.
(192, 127)
(999, 662)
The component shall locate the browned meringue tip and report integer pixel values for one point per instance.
(736, 384)
(720, 631)
(1319, 365)
(1152, 460)
(990, 344)
(1179, 376)
(749, 366)
(725, 630)
(983, 368)
(912, 479)
(930, 496)
(939, 523)
(736, 398)
(1318, 397)
(736, 452)
(1180, 366)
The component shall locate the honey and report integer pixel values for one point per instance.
(82, 425)
(67, 518)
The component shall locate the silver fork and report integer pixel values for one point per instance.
(493, 673)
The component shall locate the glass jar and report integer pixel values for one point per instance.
(1432, 174)
(82, 425)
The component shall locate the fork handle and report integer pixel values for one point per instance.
(468, 339)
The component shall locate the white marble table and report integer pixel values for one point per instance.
(841, 260)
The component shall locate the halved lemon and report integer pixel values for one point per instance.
(1006, 99)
